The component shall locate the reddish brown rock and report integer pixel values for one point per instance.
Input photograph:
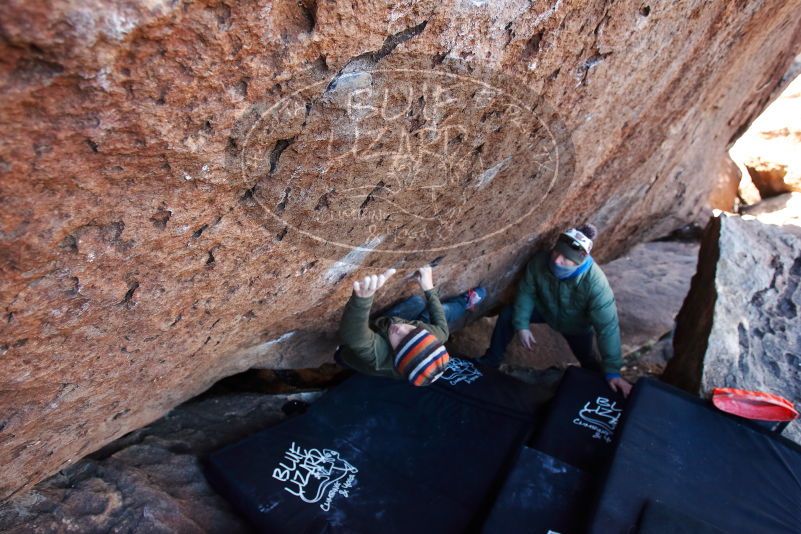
(151, 230)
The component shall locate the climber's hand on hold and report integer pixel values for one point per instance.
(425, 277)
(370, 284)
(526, 338)
(620, 385)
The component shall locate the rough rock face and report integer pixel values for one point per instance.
(738, 326)
(187, 186)
(650, 283)
(151, 480)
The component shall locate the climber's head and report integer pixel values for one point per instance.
(397, 331)
(420, 357)
(573, 246)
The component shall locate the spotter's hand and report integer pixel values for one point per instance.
(526, 338)
(621, 385)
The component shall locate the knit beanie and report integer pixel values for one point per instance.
(420, 357)
(576, 243)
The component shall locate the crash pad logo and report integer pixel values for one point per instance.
(315, 476)
(459, 371)
(601, 417)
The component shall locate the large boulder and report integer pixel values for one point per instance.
(188, 187)
(739, 326)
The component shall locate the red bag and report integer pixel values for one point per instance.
(753, 404)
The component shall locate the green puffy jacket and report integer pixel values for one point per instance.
(572, 306)
(365, 344)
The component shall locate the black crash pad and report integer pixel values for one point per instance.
(657, 518)
(541, 494)
(720, 470)
(581, 421)
(377, 454)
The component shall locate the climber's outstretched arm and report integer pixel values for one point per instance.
(354, 328)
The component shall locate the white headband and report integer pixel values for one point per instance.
(583, 240)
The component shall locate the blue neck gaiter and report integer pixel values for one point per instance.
(565, 273)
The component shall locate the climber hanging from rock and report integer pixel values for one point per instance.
(566, 289)
(406, 341)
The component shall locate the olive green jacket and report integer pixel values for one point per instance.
(571, 306)
(365, 344)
